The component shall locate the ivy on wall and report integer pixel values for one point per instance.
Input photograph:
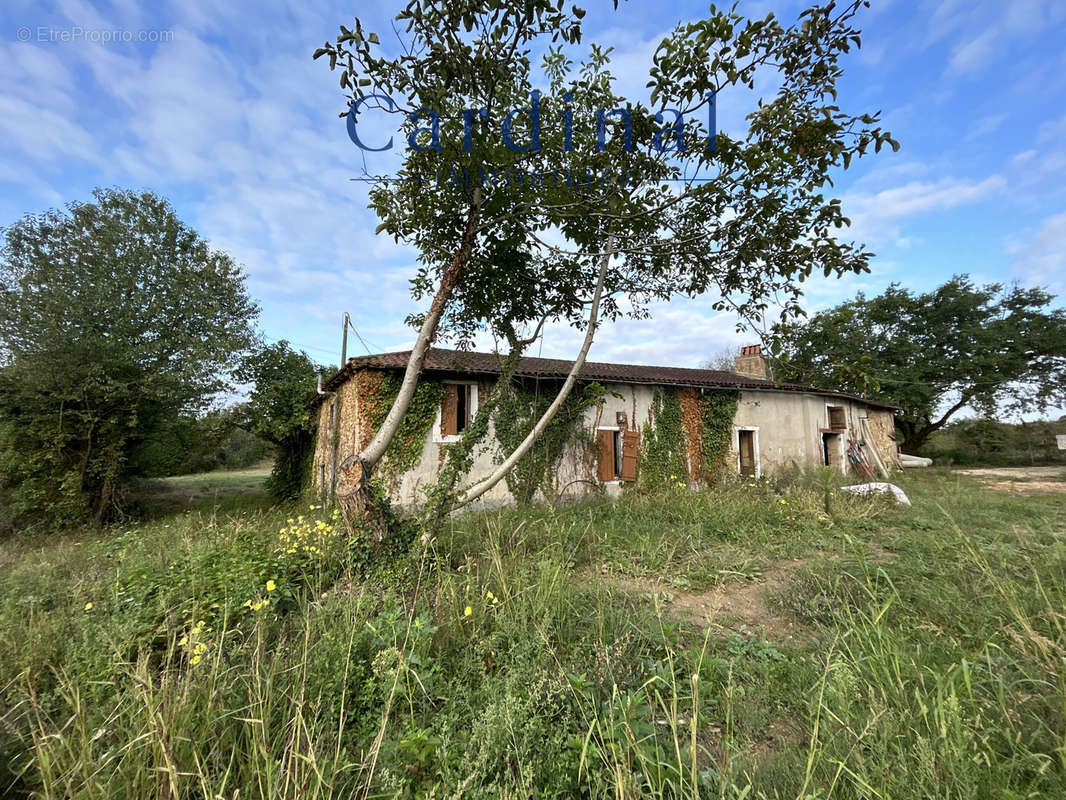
(406, 447)
(719, 409)
(663, 448)
(518, 409)
(665, 443)
(292, 471)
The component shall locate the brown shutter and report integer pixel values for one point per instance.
(605, 468)
(630, 446)
(449, 409)
(837, 420)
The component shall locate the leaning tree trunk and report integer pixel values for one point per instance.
(441, 496)
(358, 503)
(478, 489)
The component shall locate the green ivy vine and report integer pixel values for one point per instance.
(718, 410)
(662, 457)
(517, 411)
(407, 444)
(664, 451)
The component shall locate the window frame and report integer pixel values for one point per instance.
(829, 407)
(474, 405)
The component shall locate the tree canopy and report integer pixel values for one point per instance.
(745, 218)
(115, 317)
(991, 348)
(282, 379)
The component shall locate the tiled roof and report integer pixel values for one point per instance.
(439, 360)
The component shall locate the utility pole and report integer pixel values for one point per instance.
(335, 433)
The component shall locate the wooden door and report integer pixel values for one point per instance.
(746, 441)
(605, 467)
(630, 447)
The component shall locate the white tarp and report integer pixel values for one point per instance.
(914, 461)
(1060, 439)
(879, 488)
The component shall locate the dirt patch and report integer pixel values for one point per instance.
(1029, 487)
(734, 605)
(1021, 480)
(781, 733)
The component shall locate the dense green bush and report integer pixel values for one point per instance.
(116, 319)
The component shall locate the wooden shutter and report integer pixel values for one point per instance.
(837, 420)
(449, 410)
(630, 447)
(605, 468)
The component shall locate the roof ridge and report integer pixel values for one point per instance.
(449, 360)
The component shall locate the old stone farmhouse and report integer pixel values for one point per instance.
(626, 424)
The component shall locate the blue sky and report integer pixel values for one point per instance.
(227, 116)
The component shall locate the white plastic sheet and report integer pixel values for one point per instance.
(879, 488)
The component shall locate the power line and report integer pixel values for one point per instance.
(301, 345)
(361, 339)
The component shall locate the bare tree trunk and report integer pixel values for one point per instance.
(357, 503)
(477, 490)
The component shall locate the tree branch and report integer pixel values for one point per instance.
(476, 491)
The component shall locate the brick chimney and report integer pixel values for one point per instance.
(750, 363)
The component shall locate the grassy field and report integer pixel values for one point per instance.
(768, 639)
(223, 490)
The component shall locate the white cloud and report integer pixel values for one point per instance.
(876, 216)
(1041, 261)
(1023, 157)
(1052, 130)
(973, 53)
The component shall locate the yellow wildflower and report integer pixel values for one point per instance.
(195, 660)
(467, 611)
(271, 586)
(88, 606)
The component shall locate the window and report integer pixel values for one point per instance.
(837, 419)
(456, 410)
(617, 454)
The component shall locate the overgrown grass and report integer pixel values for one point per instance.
(504, 659)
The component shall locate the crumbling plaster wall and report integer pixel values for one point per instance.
(789, 436)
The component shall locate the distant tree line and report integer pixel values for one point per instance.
(991, 443)
(200, 443)
(991, 349)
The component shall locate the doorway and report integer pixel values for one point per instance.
(831, 452)
(746, 448)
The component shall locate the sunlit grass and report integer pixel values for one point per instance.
(507, 660)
